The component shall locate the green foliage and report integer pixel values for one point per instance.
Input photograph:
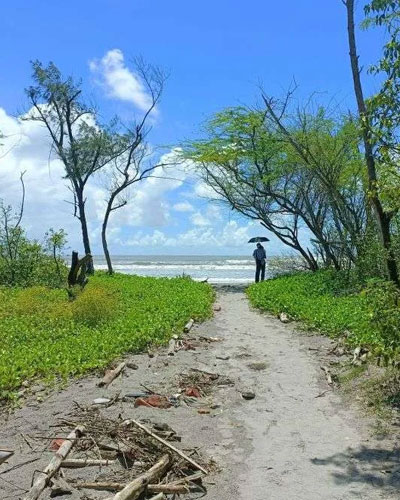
(44, 335)
(384, 106)
(24, 262)
(383, 302)
(332, 303)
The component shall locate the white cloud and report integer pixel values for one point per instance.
(231, 235)
(184, 206)
(198, 219)
(119, 81)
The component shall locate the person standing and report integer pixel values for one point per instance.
(260, 258)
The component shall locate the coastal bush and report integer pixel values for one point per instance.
(45, 336)
(383, 302)
(332, 303)
(25, 262)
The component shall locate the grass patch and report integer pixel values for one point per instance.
(321, 302)
(44, 336)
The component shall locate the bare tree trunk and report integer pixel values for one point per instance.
(85, 232)
(382, 218)
(104, 237)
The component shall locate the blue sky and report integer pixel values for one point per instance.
(216, 52)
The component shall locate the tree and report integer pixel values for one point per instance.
(289, 171)
(383, 217)
(135, 163)
(83, 146)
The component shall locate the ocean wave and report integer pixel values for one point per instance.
(178, 267)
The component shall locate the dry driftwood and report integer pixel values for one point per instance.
(188, 326)
(76, 463)
(327, 374)
(165, 443)
(5, 455)
(43, 478)
(152, 488)
(111, 375)
(134, 489)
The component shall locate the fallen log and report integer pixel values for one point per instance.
(110, 375)
(43, 478)
(165, 443)
(77, 463)
(188, 326)
(134, 489)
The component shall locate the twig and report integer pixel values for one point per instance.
(20, 465)
(77, 463)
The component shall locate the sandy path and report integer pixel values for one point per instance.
(285, 444)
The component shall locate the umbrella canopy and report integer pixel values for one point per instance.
(258, 239)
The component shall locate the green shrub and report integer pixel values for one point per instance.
(94, 306)
(383, 302)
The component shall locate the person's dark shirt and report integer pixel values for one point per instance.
(259, 253)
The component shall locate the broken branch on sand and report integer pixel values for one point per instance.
(165, 443)
(44, 477)
(135, 488)
(110, 375)
(152, 488)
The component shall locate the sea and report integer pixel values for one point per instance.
(215, 269)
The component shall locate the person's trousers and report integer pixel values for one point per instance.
(260, 268)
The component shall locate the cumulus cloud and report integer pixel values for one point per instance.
(119, 81)
(183, 206)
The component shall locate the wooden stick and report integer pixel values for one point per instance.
(188, 326)
(43, 478)
(152, 488)
(134, 489)
(165, 443)
(110, 375)
(76, 463)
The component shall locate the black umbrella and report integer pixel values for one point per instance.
(258, 239)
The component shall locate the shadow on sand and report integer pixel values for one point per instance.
(377, 467)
